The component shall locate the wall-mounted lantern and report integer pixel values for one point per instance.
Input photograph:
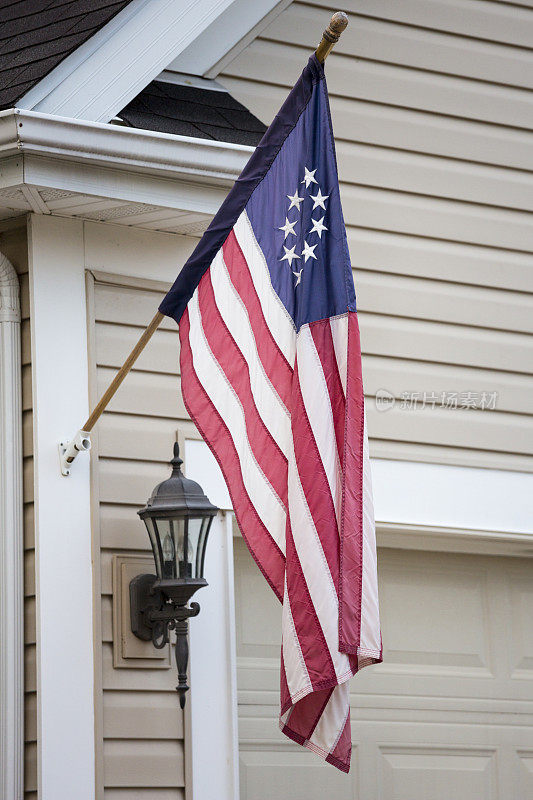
(178, 518)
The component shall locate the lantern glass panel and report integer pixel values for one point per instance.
(198, 530)
(156, 547)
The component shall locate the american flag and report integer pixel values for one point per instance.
(271, 375)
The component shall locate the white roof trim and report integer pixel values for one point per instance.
(223, 40)
(125, 148)
(113, 66)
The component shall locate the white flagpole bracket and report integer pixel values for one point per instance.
(69, 450)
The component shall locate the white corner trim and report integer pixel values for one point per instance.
(63, 557)
(115, 64)
(11, 543)
(116, 146)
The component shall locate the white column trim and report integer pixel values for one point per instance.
(63, 564)
(11, 542)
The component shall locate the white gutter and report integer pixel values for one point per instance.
(11, 544)
(35, 133)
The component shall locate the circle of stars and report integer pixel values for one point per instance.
(307, 253)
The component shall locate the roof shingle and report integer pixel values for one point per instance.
(193, 111)
(36, 35)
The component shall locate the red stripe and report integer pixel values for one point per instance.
(274, 362)
(310, 635)
(314, 481)
(224, 348)
(305, 715)
(323, 339)
(341, 755)
(265, 551)
(351, 553)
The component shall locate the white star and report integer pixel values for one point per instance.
(295, 200)
(309, 177)
(318, 227)
(290, 255)
(289, 227)
(309, 251)
(298, 276)
(319, 199)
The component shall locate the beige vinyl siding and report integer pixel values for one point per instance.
(431, 108)
(142, 752)
(14, 244)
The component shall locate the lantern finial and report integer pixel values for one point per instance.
(176, 460)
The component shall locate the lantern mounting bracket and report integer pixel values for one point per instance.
(153, 616)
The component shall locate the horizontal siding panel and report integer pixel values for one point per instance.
(406, 129)
(416, 173)
(124, 481)
(30, 767)
(128, 306)
(30, 670)
(30, 717)
(392, 85)
(121, 528)
(507, 433)
(29, 573)
(27, 479)
(27, 434)
(382, 40)
(27, 397)
(106, 605)
(144, 794)
(135, 680)
(140, 438)
(25, 334)
(515, 392)
(148, 393)
(149, 763)
(444, 301)
(142, 715)
(115, 342)
(444, 343)
(29, 526)
(460, 263)
(482, 19)
(441, 219)
(29, 621)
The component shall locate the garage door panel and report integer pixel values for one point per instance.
(521, 631)
(424, 621)
(449, 714)
(436, 773)
(295, 774)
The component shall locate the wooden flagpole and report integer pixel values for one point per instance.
(69, 451)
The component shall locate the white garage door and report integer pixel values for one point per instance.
(447, 716)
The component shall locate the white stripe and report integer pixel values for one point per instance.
(331, 724)
(315, 568)
(271, 409)
(339, 332)
(370, 628)
(298, 680)
(276, 315)
(223, 397)
(317, 404)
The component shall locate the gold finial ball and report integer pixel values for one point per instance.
(338, 22)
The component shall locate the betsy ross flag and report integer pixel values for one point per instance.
(271, 375)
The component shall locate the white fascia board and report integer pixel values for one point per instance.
(222, 41)
(72, 140)
(113, 66)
